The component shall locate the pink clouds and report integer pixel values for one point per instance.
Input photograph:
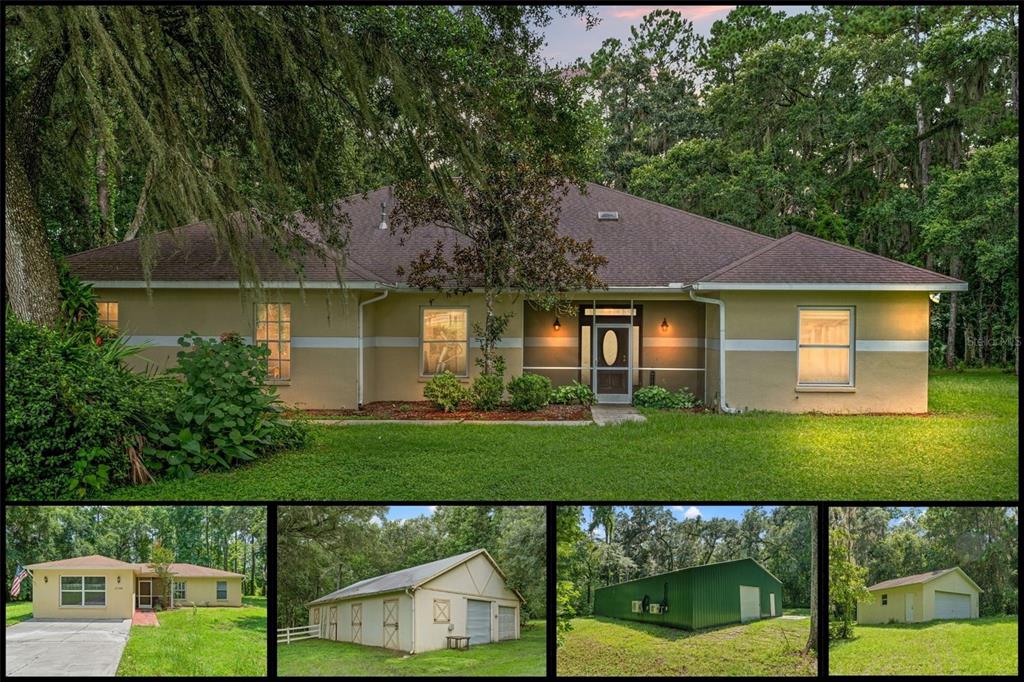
(691, 12)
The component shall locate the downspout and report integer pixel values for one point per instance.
(722, 405)
(412, 635)
(359, 333)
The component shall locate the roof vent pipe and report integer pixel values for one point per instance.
(383, 217)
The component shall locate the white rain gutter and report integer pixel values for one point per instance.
(359, 332)
(412, 601)
(722, 405)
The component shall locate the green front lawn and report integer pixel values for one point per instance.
(17, 611)
(966, 449)
(606, 646)
(520, 658)
(986, 646)
(215, 641)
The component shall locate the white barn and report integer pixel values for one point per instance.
(415, 609)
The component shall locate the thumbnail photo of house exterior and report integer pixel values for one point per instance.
(177, 591)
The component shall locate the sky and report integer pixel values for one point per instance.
(568, 38)
(692, 511)
(406, 513)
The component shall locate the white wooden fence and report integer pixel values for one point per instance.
(289, 635)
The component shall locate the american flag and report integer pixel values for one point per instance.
(19, 575)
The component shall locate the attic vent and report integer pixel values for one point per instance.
(607, 215)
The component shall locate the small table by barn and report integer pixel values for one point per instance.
(457, 641)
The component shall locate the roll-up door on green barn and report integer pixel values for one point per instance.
(695, 597)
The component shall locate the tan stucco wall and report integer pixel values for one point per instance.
(871, 613)
(475, 579)
(203, 592)
(372, 618)
(951, 582)
(885, 381)
(46, 594)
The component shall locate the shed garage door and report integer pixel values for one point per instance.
(750, 603)
(478, 625)
(952, 605)
(506, 622)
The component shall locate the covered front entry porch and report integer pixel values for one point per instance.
(150, 593)
(616, 346)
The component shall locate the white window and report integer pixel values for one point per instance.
(222, 590)
(885, 599)
(179, 589)
(274, 330)
(825, 355)
(637, 606)
(445, 341)
(107, 313)
(83, 591)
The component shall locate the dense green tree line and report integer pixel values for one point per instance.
(322, 549)
(624, 543)
(870, 544)
(892, 128)
(231, 538)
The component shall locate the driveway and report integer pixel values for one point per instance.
(66, 647)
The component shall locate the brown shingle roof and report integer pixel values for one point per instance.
(650, 245)
(99, 561)
(801, 258)
(90, 561)
(189, 571)
(910, 579)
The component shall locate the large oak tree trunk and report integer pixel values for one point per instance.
(954, 271)
(30, 274)
(812, 637)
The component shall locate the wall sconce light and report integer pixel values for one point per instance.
(557, 325)
(664, 324)
(935, 298)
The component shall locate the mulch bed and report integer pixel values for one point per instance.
(422, 409)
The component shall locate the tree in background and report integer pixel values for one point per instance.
(160, 560)
(812, 636)
(846, 586)
(891, 128)
(568, 534)
(236, 115)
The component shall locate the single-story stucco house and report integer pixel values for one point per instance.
(742, 320)
(103, 588)
(937, 595)
(417, 608)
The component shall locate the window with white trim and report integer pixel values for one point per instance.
(179, 589)
(444, 341)
(222, 590)
(885, 599)
(107, 313)
(274, 330)
(82, 591)
(825, 347)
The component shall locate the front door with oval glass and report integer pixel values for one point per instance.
(612, 360)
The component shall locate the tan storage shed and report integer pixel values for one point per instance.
(937, 595)
(415, 609)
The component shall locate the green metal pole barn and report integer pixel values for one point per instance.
(697, 597)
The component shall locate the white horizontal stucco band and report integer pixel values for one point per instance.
(351, 342)
(674, 342)
(786, 345)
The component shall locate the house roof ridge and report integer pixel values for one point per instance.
(743, 259)
(681, 210)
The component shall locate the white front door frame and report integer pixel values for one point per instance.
(595, 340)
(908, 608)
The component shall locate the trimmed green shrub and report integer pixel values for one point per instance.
(662, 398)
(573, 394)
(225, 413)
(529, 392)
(71, 410)
(445, 391)
(487, 391)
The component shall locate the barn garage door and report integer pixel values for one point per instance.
(506, 622)
(750, 603)
(391, 640)
(952, 605)
(479, 622)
